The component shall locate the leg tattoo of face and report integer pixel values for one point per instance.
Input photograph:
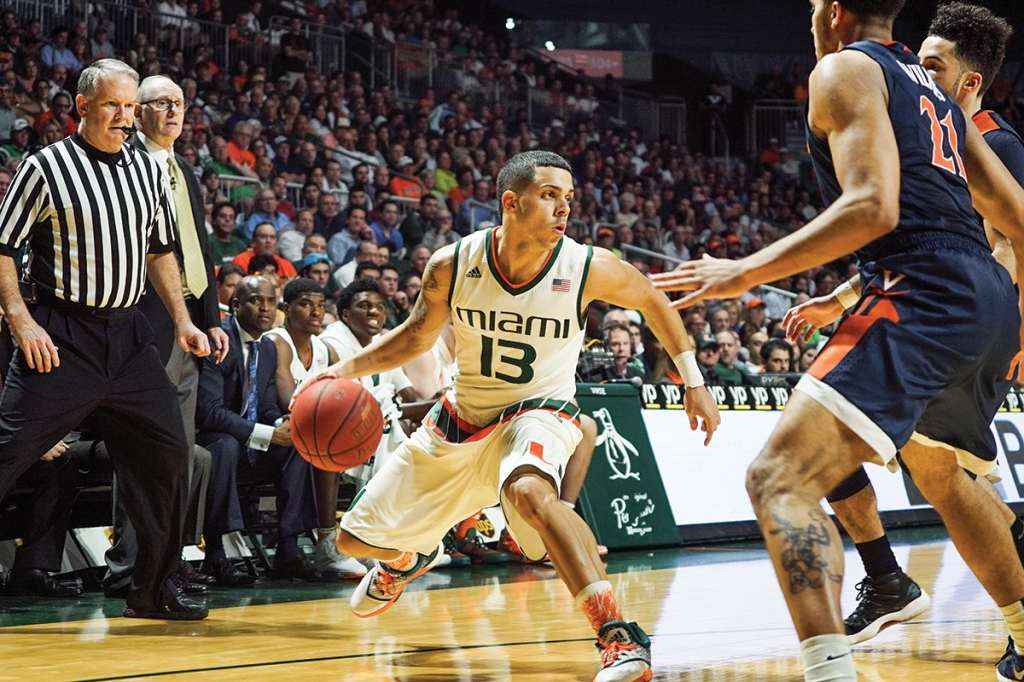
(801, 558)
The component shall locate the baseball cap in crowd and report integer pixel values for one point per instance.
(715, 243)
(557, 123)
(755, 303)
(705, 340)
(732, 239)
(198, 127)
(20, 124)
(280, 138)
(404, 161)
(605, 232)
(313, 259)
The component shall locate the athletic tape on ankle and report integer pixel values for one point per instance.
(1013, 614)
(846, 295)
(686, 363)
(827, 658)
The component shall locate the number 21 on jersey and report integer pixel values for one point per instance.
(940, 131)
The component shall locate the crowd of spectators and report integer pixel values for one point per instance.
(320, 174)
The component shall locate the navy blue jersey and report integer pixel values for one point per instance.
(930, 134)
(1004, 141)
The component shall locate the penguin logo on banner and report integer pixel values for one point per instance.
(618, 451)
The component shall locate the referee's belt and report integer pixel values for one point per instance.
(81, 310)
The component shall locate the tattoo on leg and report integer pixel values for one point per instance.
(801, 558)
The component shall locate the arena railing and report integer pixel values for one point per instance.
(166, 31)
(779, 119)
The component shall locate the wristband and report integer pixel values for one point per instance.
(846, 295)
(686, 363)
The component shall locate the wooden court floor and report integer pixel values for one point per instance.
(713, 614)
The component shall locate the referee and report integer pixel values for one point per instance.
(95, 215)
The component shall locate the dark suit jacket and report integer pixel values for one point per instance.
(204, 311)
(220, 400)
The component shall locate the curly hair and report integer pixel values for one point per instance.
(979, 37)
(359, 286)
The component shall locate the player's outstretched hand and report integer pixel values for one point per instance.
(192, 340)
(329, 373)
(705, 278)
(803, 320)
(699, 403)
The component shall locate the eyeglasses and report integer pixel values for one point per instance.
(164, 104)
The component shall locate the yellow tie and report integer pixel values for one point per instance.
(194, 275)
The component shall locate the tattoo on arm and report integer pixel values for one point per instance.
(430, 282)
(418, 314)
(802, 558)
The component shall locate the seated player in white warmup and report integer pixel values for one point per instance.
(518, 296)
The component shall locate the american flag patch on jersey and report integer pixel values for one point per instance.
(561, 284)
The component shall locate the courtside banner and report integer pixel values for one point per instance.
(705, 486)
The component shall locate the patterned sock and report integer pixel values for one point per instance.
(402, 563)
(827, 657)
(597, 601)
(321, 533)
(1014, 616)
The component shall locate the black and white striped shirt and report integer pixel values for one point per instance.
(90, 218)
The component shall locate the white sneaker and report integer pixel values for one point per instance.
(625, 653)
(330, 560)
(382, 586)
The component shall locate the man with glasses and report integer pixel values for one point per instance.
(328, 221)
(238, 149)
(159, 116)
(266, 212)
(264, 241)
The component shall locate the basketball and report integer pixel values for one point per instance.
(336, 424)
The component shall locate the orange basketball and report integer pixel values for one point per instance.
(336, 424)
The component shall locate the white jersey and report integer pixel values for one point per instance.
(445, 367)
(515, 343)
(321, 356)
(384, 387)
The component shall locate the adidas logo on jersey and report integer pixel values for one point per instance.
(474, 273)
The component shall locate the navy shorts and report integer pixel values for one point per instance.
(924, 353)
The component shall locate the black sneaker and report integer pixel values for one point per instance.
(891, 598)
(1010, 649)
(1011, 667)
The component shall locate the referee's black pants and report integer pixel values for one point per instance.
(110, 369)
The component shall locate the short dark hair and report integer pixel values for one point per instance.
(979, 37)
(520, 170)
(881, 9)
(359, 286)
(350, 209)
(262, 261)
(775, 344)
(364, 266)
(229, 269)
(299, 286)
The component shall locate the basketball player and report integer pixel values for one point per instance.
(300, 353)
(963, 53)
(919, 364)
(517, 295)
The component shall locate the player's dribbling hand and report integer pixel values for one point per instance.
(328, 373)
(699, 403)
(803, 320)
(40, 353)
(706, 278)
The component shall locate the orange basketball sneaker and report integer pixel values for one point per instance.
(382, 586)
